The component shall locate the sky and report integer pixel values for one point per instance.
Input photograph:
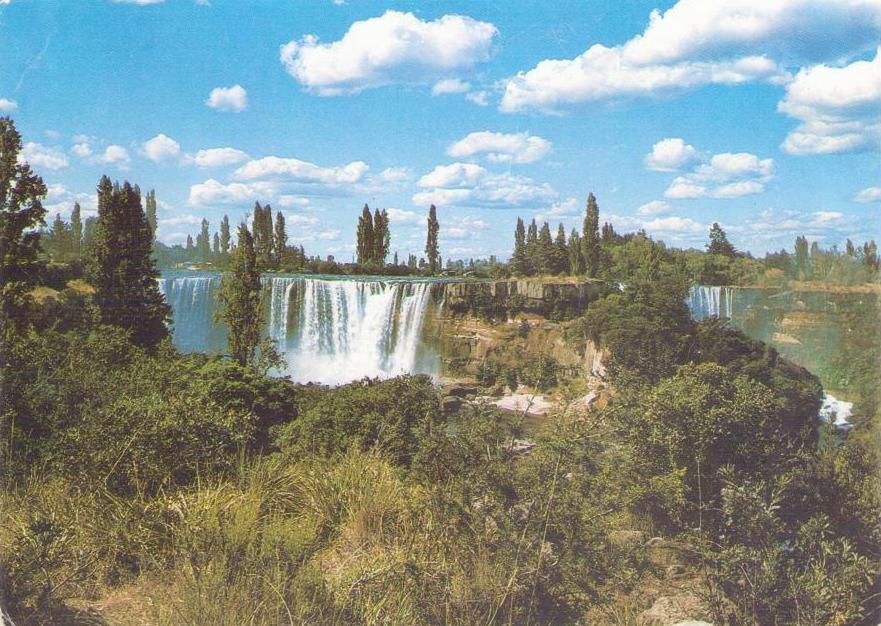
(762, 116)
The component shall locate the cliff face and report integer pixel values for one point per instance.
(506, 298)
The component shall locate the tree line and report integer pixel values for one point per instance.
(373, 242)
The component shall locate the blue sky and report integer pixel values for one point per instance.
(762, 116)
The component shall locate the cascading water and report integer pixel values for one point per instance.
(328, 330)
(704, 302)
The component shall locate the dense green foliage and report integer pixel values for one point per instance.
(239, 300)
(431, 245)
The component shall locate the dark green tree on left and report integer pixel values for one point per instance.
(121, 268)
(21, 215)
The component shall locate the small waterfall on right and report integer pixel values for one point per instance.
(710, 301)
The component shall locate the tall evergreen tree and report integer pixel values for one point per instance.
(190, 248)
(224, 235)
(545, 250)
(532, 253)
(608, 233)
(215, 247)
(560, 257)
(281, 238)
(121, 267)
(364, 246)
(240, 301)
(76, 229)
(519, 260)
(431, 247)
(203, 242)
(150, 207)
(719, 243)
(21, 215)
(576, 258)
(381, 237)
(57, 241)
(590, 237)
(802, 261)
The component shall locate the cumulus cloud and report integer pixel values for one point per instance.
(60, 199)
(295, 170)
(655, 207)
(40, 156)
(233, 98)
(7, 105)
(695, 43)
(470, 185)
(671, 154)
(837, 108)
(501, 147)
(450, 85)
(480, 98)
(83, 150)
(219, 157)
(725, 175)
(870, 194)
(161, 148)
(115, 155)
(402, 216)
(214, 192)
(394, 48)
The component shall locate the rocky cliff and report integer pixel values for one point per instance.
(553, 299)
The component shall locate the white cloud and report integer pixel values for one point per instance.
(824, 217)
(43, 157)
(60, 199)
(655, 207)
(115, 155)
(287, 201)
(393, 48)
(395, 175)
(303, 220)
(870, 194)
(674, 224)
(219, 157)
(480, 98)
(7, 105)
(295, 170)
(214, 192)
(401, 216)
(161, 148)
(725, 175)
(837, 108)
(501, 147)
(233, 98)
(181, 219)
(671, 154)
(697, 42)
(468, 184)
(453, 175)
(449, 85)
(82, 150)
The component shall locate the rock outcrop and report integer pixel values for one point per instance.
(560, 299)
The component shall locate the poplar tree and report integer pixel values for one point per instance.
(560, 264)
(215, 248)
(281, 238)
(519, 260)
(431, 249)
(590, 237)
(190, 248)
(364, 246)
(240, 301)
(203, 241)
(532, 248)
(121, 267)
(576, 260)
(719, 243)
(224, 235)
(21, 215)
(150, 207)
(76, 229)
(381, 237)
(545, 250)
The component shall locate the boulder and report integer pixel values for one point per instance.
(672, 610)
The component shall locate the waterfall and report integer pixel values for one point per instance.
(707, 301)
(328, 330)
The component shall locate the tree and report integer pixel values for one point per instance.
(545, 250)
(150, 207)
(519, 261)
(281, 238)
(239, 300)
(364, 246)
(431, 249)
(57, 244)
(608, 233)
(381, 237)
(121, 267)
(190, 248)
(215, 248)
(203, 242)
(224, 235)
(560, 256)
(263, 237)
(21, 215)
(802, 260)
(719, 243)
(576, 260)
(532, 248)
(590, 238)
(76, 229)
